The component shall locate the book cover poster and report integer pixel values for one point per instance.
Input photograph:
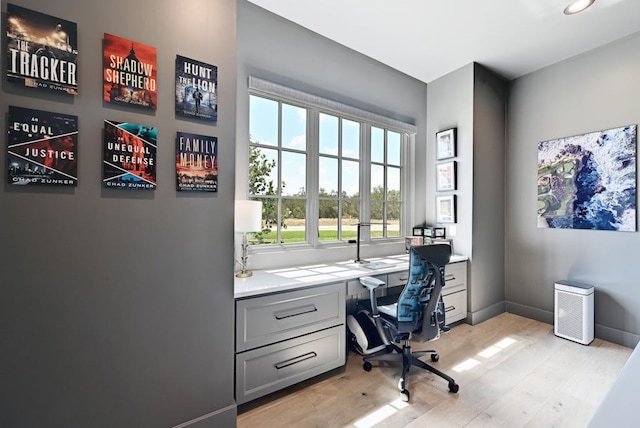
(41, 148)
(196, 89)
(42, 50)
(130, 73)
(196, 162)
(129, 160)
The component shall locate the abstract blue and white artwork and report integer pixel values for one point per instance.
(588, 181)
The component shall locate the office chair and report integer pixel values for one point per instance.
(417, 315)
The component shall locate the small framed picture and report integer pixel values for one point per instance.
(446, 209)
(446, 176)
(439, 232)
(417, 231)
(429, 232)
(446, 144)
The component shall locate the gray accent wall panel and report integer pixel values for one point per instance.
(116, 306)
(596, 90)
(473, 99)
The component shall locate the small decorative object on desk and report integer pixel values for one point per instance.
(429, 232)
(412, 241)
(418, 231)
(439, 232)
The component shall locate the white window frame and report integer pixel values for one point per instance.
(316, 105)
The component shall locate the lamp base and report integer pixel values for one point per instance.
(244, 274)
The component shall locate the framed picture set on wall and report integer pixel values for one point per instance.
(446, 209)
(446, 176)
(446, 144)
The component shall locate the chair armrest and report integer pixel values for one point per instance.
(371, 283)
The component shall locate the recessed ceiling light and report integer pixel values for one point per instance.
(577, 6)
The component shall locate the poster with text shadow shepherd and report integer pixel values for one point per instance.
(130, 73)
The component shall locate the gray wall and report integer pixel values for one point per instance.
(473, 100)
(116, 306)
(594, 91)
(274, 49)
(490, 94)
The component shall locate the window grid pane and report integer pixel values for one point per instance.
(386, 190)
(278, 175)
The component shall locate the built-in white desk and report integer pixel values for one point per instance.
(290, 322)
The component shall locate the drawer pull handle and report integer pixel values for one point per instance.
(449, 277)
(295, 312)
(449, 308)
(295, 360)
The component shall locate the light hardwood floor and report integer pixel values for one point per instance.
(512, 372)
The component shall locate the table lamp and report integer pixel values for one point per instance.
(248, 218)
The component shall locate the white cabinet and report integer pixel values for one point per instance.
(454, 292)
(285, 338)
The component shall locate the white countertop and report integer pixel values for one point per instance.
(283, 279)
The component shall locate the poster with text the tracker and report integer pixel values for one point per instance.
(42, 50)
(41, 148)
(129, 160)
(130, 73)
(196, 89)
(196, 163)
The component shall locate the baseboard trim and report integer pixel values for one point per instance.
(609, 334)
(620, 337)
(489, 312)
(225, 417)
(529, 312)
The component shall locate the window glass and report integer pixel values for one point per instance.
(263, 121)
(294, 127)
(350, 139)
(377, 144)
(393, 148)
(328, 134)
(282, 152)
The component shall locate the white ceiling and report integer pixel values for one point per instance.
(427, 39)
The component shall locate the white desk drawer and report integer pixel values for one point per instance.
(272, 318)
(455, 274)
(270, 368)
(455, 305)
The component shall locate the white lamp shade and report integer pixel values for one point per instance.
(248, 216)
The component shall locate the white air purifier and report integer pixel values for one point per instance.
(573, 317)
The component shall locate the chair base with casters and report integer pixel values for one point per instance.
(409, 359)
(418, 314)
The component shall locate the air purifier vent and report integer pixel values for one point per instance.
(573, 317)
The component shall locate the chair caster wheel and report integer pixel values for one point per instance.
(367, 366)
(453, 387)
(405, 396)
(435, 357)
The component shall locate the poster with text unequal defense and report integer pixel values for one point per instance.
(41, 148)
(129, 160)
(196, 162)
(196, 89)
(42, 50)
(130, 73)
